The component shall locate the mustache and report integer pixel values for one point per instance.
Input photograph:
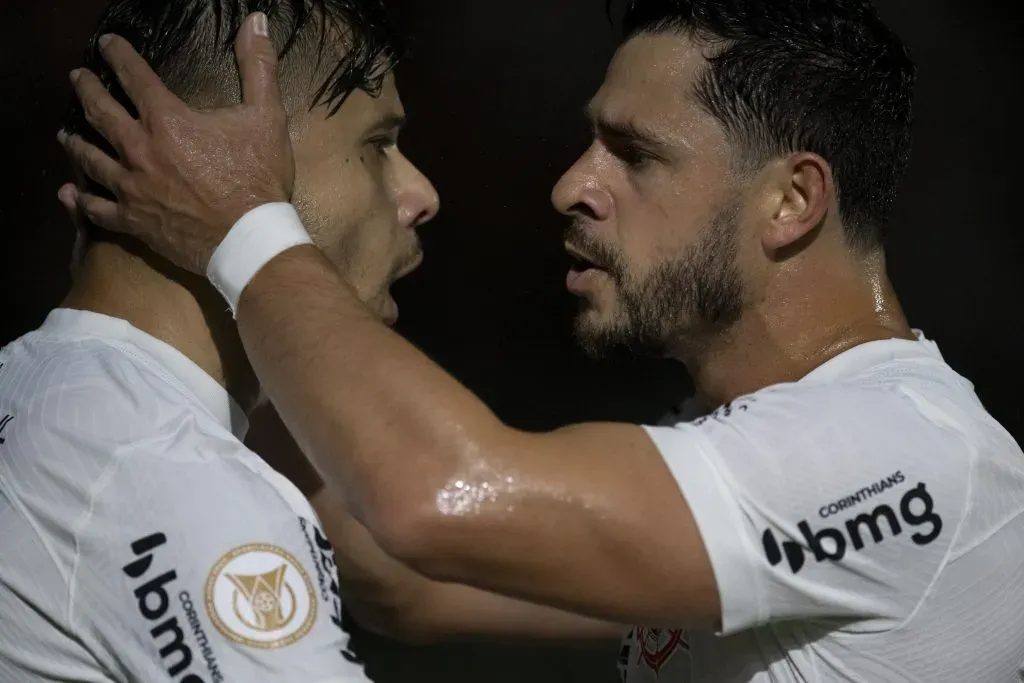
(600, 254)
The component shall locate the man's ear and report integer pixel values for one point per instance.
(801, 190)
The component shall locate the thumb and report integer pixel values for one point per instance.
(257, 62)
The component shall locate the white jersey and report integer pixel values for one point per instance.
(139, 539)
(864, 524)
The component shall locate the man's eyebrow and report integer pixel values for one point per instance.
(624, 131)
(387, 124)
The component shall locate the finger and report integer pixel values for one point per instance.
(67, 195)
(140, 82)
(101, 212)
(257, 62)
(93, 161)
(103, 112)
(68, 198)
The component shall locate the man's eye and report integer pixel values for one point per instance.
(634, 157)
(383, 144)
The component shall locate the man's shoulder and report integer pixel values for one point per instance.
(92, 428)
(869, 425)
(58, 372)
(68, 393)
(900, 398)
(67, 407)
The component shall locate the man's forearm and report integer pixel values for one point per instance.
(347, 385)
(387, 597)
(391, 599)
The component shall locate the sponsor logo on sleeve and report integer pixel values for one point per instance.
(915, 511)
(260, 596)
(154, 603)
(322, 553)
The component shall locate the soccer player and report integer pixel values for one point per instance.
(139, 539)
(848, 511)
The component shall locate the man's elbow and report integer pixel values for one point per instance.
(420, 536)
(429, 527)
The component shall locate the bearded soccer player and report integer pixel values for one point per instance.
(848, 511)
(141, 541)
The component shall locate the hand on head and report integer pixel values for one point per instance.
(183, 177)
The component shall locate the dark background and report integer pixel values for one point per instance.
(495, 92)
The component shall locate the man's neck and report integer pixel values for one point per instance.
(124, 281)
(805, 319)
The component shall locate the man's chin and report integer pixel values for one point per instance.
(597, 338)
(603, 339)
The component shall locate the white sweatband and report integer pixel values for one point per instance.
(255, 239)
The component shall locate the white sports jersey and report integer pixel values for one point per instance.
(139, 539)
(864, 524)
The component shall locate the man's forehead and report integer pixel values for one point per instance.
(649, 88)
(650, 75)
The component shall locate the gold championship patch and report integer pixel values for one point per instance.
(259, 595)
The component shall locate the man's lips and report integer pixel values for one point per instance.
(583, 270)
(579, 261)
(578, 282)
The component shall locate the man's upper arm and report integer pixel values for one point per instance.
(721, 523)
(391, 599)
(589, 520)
(197, 566)
(821, 503)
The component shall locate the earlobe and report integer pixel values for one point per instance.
(803, 196)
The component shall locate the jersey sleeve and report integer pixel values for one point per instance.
(194, 567)
(835, 504)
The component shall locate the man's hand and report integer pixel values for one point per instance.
(183, 178)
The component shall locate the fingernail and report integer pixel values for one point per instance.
(66, 195)
(75, 75)
(62, 136)
(105, 40)
(260, 25)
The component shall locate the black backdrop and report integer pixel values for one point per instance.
(495, 92)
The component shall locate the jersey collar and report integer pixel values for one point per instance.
(875, 353)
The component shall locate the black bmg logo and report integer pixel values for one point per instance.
(917, 509)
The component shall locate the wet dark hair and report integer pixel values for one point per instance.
(821, 76)
(333, 47)
(329, 49)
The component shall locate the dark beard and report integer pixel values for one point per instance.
(698, 294)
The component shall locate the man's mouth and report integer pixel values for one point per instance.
(580, 262)
(583, 270)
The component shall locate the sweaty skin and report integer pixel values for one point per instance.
(562, 518)
(389, 598)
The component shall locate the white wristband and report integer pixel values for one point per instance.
(255, 239)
